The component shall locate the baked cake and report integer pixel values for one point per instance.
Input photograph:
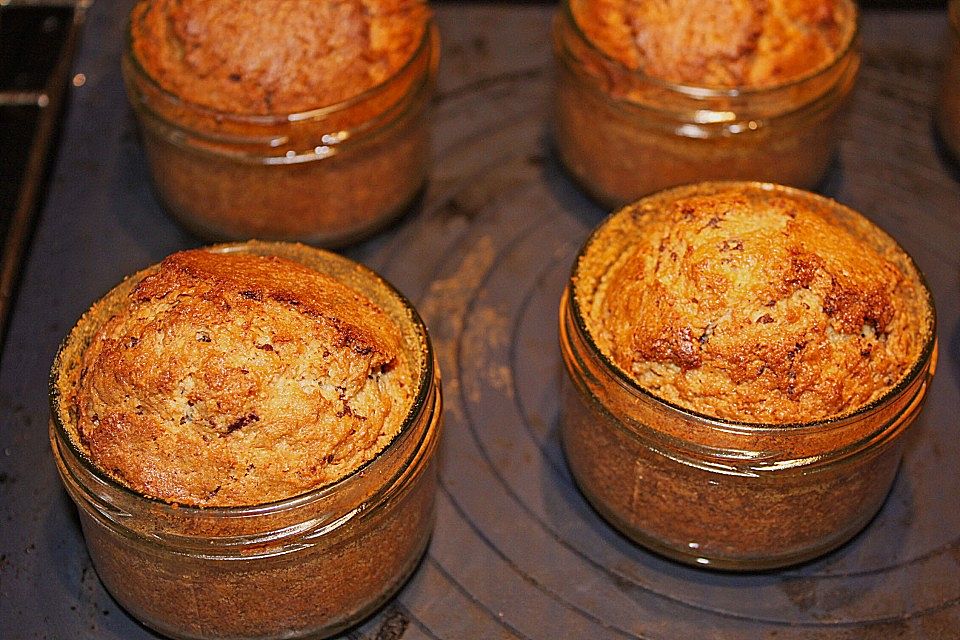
(235, 379)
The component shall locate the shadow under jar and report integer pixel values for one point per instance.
(327, 176)
(722, 493)
(623, 134)
(305, 566)
(948, 111)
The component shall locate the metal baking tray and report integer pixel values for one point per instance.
(517, 552)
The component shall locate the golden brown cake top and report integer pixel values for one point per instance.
(276, 57)
(235, 379)
(719, 43)
(754, 305)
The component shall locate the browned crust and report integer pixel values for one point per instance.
(719, 43)
(237, 379)
(757, 306)
(263, 58)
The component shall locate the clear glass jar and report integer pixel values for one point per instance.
(622, 134)
(720, 493)
(948, 111)
(328, 177)
(309, 565)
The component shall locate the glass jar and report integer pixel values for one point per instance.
(716, 492)
(948, 112)
(622, 134)
(309, 565)
(328, 176)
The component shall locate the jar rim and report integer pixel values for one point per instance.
(701, 92)
(318, 113)
(745, 426)
(425, 391)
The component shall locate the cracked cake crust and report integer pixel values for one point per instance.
(719, 43)
(753, 306)
(264, 58)
(235, 379)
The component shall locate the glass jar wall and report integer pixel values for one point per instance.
(327, 176)
(622, 134)
(308, 565)
(718, 492)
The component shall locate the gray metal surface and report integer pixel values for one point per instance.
(517, 553)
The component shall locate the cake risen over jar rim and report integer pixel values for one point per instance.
(706, 92)
(924, 363)
(76, 341)
(318, 113)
